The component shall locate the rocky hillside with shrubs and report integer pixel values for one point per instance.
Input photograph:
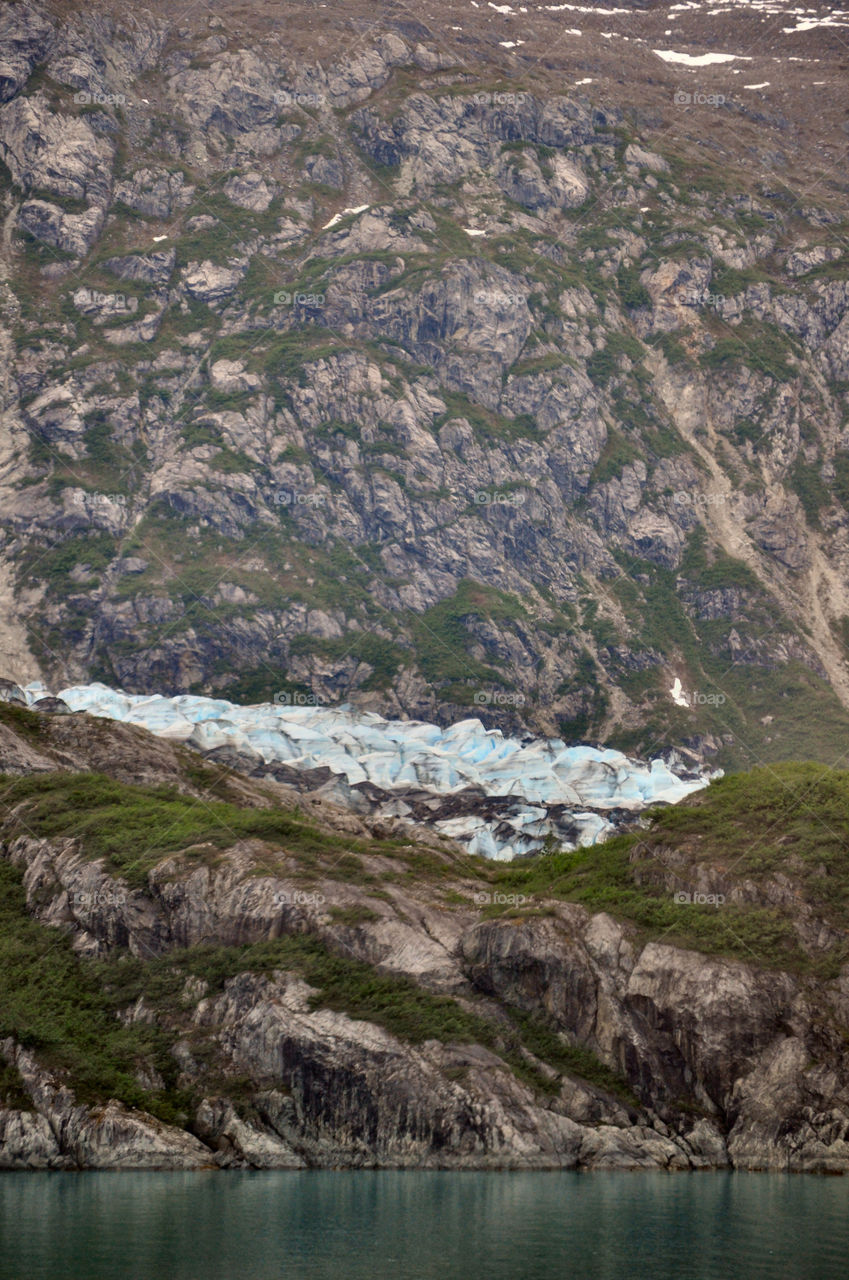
(205, 970)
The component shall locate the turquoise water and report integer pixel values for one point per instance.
(423, 1226)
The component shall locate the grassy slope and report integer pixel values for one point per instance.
(787, 819)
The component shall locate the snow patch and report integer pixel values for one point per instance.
(344, 213)
(699, 60)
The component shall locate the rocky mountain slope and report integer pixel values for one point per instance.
(204, 970)
(470, 358)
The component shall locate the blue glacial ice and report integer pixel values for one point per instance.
(545, 787)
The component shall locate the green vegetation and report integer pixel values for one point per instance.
(384, 657)
(603, 364)
(134, 828)
(632, 293)
(788, 818)
(673, 349)
(280, 356)
(747, 432)
(731, 281)
(64, 1007)
(230, 462)
(54, 566)
(714, 568)
(57, 1004)
(580, 727)
(762, 347)
(487, 426)
(551, 362)
(762, 711)
(840, 484)
(443, 639)
(616, 454)
(808, 484)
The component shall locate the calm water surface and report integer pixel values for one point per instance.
(423, 1226)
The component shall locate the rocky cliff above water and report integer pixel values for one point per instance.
(402, 362)
(204, 970)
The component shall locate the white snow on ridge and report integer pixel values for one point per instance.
(580, 8)
(822, 20)
(699, 60)
(344, 213)
(398, 755)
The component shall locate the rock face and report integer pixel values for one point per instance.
(719, 1062)
(25, 38)
(469, 388)
(60, 1134)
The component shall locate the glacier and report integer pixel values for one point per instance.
(506, 794)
